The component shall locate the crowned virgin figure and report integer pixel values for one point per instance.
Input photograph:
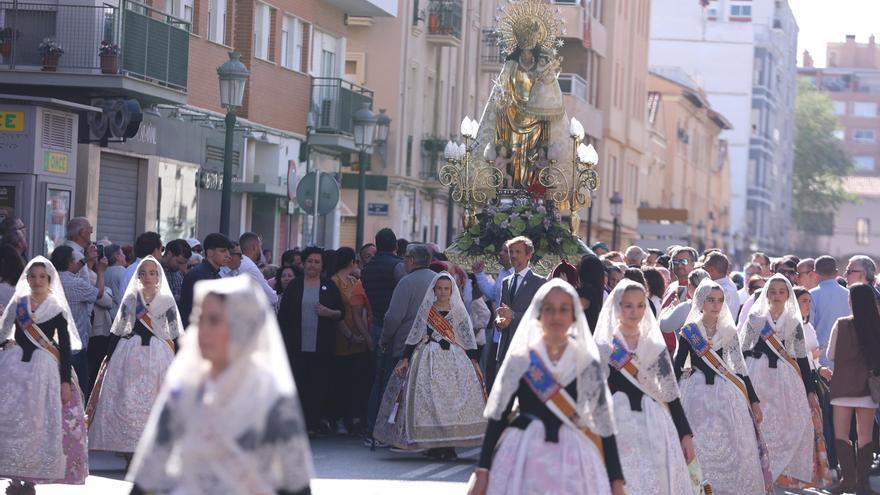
(525, 113)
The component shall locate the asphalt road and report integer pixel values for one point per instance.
(342, 466)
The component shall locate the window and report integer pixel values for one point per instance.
(863, 136)
(182, 9)
(864, 163)
(840, 107)
(324, 62)
(740, 10)
(864, 109)
(217, 21)
(863, 231)
(262, 27)
(292, 35)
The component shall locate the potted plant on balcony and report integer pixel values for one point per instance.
(7, 35)
(51, 51)
(109, 53)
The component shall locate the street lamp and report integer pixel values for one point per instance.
(383, 125)
(233, 76)
(364, 132)
(616, 207)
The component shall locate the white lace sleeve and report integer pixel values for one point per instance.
(797, 344)
(659, 379)
(733, 357)
(592, 389)
(751, 333)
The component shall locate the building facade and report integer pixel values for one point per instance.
(744, 54)
(689, 198)
(852, 81)
(167, 175)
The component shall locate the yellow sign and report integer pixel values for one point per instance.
(55, 162)
(11, 121)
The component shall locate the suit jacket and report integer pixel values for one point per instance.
(526, 290)
(290, 317)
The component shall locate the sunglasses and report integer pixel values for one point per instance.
(682, 262)
(854, 271)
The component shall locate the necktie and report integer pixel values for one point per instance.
(513, 287)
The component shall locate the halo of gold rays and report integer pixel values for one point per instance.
(527, 24)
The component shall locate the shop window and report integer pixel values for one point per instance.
(178, 200)
(57, 215)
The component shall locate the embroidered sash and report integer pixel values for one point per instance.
(144, 317)
(701, 346)
(33, 332)
(553, 395)
(622, 360)
(96, 394)
(769, 336)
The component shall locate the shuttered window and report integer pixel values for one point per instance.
(117, 199)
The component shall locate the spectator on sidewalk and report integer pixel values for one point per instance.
(217, 247)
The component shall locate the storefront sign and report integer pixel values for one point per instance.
(11, 121)
(377, 209)
(55, 162)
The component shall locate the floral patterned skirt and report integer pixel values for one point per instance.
(41, 439)
(525, 464)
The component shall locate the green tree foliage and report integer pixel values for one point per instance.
(820, 162)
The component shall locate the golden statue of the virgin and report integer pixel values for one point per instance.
(526, 108)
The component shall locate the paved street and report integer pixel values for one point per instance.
(343, 466)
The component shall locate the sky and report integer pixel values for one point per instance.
(821, 21)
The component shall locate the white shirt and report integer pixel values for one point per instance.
(731, 296)
(248, 267)
(519, 280)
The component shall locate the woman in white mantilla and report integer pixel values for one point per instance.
(553, 373)
(228, 419)
(42, 423)
(773, 343)
(653, 435)
(719, 400)
(436, 397)
(139, 353)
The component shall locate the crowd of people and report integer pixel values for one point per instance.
(209, 367)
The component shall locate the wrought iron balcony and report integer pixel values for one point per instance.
(334, 102)
(143, 43)
(490, 51)
(444, 22)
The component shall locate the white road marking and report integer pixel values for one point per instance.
(468, 453)
(449, 472)
(420, 471)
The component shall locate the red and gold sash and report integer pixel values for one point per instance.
(34, 333)
(144, 317)
(769, 336)
(442, 326)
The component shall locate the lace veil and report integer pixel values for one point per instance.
(458, 316)
(650, 355)
(789, 328)
(54, 304)
(593, 397)
(725, 338)
(163, 310)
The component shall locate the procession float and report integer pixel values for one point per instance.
(523, 168)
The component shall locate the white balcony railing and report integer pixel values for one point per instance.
(574, 85)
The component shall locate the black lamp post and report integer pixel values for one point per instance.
(364, 134)
(233, 77)
(616, 207)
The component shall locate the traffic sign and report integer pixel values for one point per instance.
(328, 193)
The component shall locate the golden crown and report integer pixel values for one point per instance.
(528, 24)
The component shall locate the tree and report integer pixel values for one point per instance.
(820, 162)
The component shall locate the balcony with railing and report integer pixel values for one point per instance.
(334, 102)
(49, 44)
(574, 85)
(444, 22)
(491, 56)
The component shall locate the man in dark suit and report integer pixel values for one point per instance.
(517, 291)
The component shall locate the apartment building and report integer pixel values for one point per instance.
(743, 52)
(689, 198)
(852, 80)
(167, 176)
